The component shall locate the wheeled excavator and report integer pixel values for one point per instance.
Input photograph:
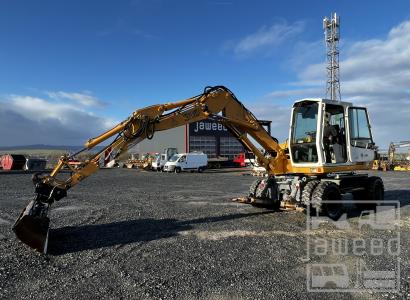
(328, 142)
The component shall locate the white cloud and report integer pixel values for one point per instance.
(265, 37)
(26, 120)
(305, 51)
(84, 98)
(375, 73)
(279, 115)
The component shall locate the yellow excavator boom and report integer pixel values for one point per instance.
(218, 103)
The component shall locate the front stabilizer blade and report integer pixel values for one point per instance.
(32, 226)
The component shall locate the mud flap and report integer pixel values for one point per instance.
(32, 226)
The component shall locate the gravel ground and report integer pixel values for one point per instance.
(127, 234)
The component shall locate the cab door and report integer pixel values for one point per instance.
(361, 145)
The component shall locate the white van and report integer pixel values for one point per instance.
(196, 161)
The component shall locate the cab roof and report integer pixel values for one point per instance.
(326, 101)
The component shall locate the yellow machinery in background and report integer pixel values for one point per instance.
(390, 161)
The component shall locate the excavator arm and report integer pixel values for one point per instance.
(217, 103)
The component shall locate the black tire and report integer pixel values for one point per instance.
(177, 170)
(252, 188)
(200, 169)
(308, 191)
(375, 188)
(359, 195)
(373, 192)
(327, 190)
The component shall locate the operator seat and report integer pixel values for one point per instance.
(329, 136)
(337, 153)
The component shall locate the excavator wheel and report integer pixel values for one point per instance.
(252, 188)
(373, 192)
(328, 191)
(308, 191)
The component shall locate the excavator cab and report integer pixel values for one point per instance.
(325, 134)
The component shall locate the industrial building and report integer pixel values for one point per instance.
(207, 136)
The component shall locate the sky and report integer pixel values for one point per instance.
(70, 70)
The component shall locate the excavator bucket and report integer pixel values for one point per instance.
(32, 226)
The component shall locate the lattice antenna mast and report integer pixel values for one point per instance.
(332, 37)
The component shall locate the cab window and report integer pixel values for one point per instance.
(304, 130)
(359, 128)
(182, 159)
(303, 138)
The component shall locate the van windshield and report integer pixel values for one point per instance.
(174, 158)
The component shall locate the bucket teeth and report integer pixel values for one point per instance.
(32, 226)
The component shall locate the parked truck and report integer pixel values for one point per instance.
(159, 162)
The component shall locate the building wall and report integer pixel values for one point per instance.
(171, 138)
(213, 139)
